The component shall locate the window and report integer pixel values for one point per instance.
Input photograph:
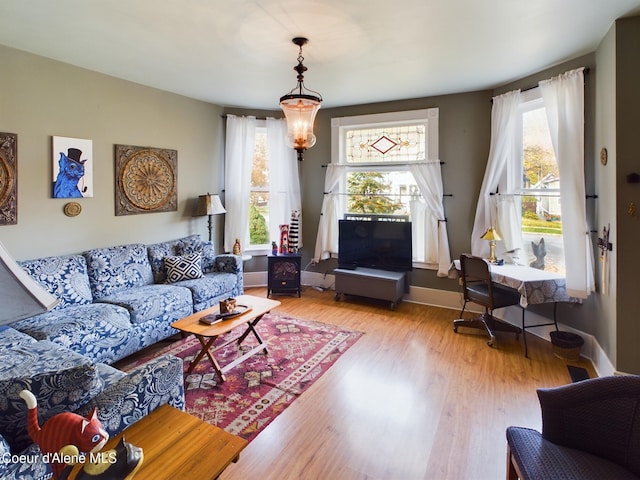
(536, 180)
(258, 203)
(259, 194)
(377, 153)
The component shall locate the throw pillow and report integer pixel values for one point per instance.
(206, 250)
(187, 267)
(208, 257)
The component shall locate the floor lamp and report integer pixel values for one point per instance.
(209, 205)
(20, 295)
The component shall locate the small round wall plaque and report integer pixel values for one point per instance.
(604, 156)
(72, 209)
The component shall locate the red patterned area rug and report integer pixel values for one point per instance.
(260, 388)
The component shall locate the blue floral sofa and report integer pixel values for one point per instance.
(63, 381)
(114, 301)
(118, 300)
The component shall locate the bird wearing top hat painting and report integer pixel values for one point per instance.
(71, 171)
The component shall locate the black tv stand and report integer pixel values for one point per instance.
(371, 283)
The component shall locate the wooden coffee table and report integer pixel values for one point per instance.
(178, 445)
(207, 334)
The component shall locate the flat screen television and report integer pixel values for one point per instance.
(374, 244)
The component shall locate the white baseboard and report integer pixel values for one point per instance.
(454, 300)
(255, 279)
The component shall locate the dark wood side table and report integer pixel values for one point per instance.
(284, 274)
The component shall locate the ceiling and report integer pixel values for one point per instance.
(238, 53)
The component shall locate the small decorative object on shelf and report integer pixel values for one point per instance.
(294, 231)
(274, 248)
(227, 305)
(64, 435)
(119, 463)
(237, 250)
(284, 239)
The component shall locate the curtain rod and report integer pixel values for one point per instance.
(536, 194)
(585, 71)
(418, 195)
(225, 115)
(526, 89)
(441, 162)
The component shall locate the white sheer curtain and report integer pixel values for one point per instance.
(238, 160)
(504, 116)
(284, 183)
(509, 225)
(327, 239)
(563, 98)
(428, 176)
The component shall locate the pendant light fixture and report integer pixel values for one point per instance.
(300, 107)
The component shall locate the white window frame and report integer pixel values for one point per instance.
(529, 100)
(341, 125)
(261, 249)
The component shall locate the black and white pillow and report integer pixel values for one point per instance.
(185, 267)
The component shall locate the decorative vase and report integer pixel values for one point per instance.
(294, 231)
(236, 247)
(284, 239)
(228, 305)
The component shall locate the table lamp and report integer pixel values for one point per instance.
(492, 236)
(209, 205)
(20, 295)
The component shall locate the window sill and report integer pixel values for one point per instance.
(258, 252)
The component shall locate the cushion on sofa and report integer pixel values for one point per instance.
(210, 289)
(12, 467)
(183, 267)
(158, 251)
(139, 392)
(60, 379)
(109, 375)
(190, 244)
(206, 251)
(114, 269)
(65, 277)
(100, 331)
(10, 337)
(153, 301)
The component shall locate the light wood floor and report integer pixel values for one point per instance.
(410, 400)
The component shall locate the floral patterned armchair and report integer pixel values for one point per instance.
(62, 381)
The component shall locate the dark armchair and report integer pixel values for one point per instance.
(590, 430)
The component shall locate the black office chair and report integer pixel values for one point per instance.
(478, 288)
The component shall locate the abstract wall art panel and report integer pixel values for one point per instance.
(146, 180)
(8, 179)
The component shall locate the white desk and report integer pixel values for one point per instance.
(534, 285)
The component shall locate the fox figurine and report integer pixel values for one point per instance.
(63, 430)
